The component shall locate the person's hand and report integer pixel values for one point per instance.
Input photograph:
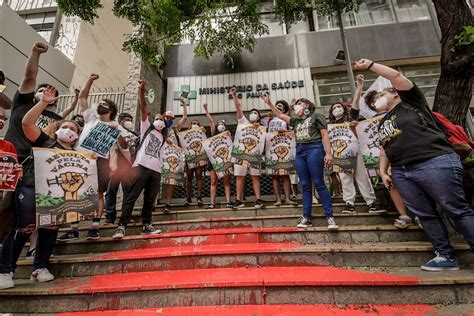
(266, 98)
(141, 84)
(205, 106)
(327, 159)
(40, 48)
(233, 91)
(93, 77)
(387, 181)
(76, 93)
(354, 124)
(360, 80)
(49, 95)
(182, 101)
(168, 141)
(362, 64)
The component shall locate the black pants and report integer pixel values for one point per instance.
(111, 196)
(21, 230)
(145, 180)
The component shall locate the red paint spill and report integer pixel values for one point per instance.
(228, 277)
(273, 310)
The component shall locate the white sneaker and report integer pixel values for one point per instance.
(332, 224)
(315, 200)
(277, 203)
(119, 232)
(41, 275)
(6, 281)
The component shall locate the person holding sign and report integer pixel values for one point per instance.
(146, 171)
(194, 172)
(313, 151)
(221, 128)
(425, 168)
(240, 171)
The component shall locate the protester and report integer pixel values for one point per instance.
(65, 113)
(79, 118)
(5, 102)
(425, 167)
(221, 127)
(313, 151)
(194, 172)
(240, 171)
(146, 171)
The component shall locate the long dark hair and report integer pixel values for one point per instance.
(345, 116)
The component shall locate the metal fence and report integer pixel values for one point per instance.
(117, 95)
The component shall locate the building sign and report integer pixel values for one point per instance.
(284, 84)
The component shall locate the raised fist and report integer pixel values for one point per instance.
(142, 84)
(249, 144)
(71, 182)
(93, 77)
(233, 91)
(362, 64)
(360, 79)
(40, 48)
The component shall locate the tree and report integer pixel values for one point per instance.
(454, 90)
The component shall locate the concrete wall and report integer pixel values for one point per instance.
(99, 50)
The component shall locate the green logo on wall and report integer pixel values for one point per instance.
(185, 88)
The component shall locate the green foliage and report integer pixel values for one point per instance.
(237, 151)
(85, 9)
(47, 201)
(466, 37)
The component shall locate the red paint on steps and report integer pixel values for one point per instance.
(273, 310)
(227, 277)
(225, 249)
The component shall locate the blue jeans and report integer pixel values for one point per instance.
(438, 180)
(310, 169)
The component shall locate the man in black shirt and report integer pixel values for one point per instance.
(425, 168)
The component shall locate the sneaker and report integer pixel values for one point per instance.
(93, 234)
(259, 204)
(188, 201)
(30, 254)
(238, 204)
(332, 224)
(210, 207)
(119, 232)
(6, 281)
(41, 275)
(304, 223)
(403, 222)
(374, 209)
(440, 263)
(229, 205)
(199, 200)
(277, 203)
(418, 222)
(315, 200)
(349, 209)
(166, 209)
(290, 202)
(148, 229)
(70, 235)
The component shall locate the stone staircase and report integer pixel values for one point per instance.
(248, 262)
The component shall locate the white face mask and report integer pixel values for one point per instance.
(381, 103)
(128, 125)
(338, 112)
(39, 97)
(298, 109)
(253, 117)
(221, 128)
(159, 124)
(66, 135)
(194, 126)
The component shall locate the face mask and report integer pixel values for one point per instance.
(66, 135)
(253, 117)
(298, 109)
(128, 125)
(220, 128)
(381, 103)
(168, 123)
(38, 96)
(338, 112)
(194, 126)
(101, 110)
(159, 124)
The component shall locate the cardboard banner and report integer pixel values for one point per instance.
(344, 147)
(367, 132)
(249, 143)
(100, 139)
(46, 118)
(191, 141)
(218, 149)
(172, 160)
(280, 152)
(8, 176)
(66, 186)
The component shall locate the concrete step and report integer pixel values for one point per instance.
(397, 254)
(312, 235)
(242, 286)
(291, 310)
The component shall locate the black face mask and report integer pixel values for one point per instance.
(101, 110)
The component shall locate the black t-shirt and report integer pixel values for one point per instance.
(404, 136)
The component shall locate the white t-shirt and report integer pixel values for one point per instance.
(277, 124)
(148, 155)
(243, 120)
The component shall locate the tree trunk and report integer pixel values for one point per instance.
(454, 91)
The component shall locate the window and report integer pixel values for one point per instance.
(43, 23)
(411, 10)
(425, 76)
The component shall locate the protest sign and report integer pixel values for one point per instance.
(8, 175)
(66, 186)
(191, 141)
(280, 151)
(100, 139)
(218, 149)
(172, 160)
(344, 147)
(367, 132)
(249, 143)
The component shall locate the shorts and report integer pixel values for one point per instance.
(103, 174)
(241, 171)
(294, 179)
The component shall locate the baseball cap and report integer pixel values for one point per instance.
(169, 113)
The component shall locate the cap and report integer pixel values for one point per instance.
(169, 113)
(346, 104)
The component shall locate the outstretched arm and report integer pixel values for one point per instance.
(72, 106)
(399, 81)
(84, 94)
(212, 125)
(358, 92)
(141, 98)
(183, 119)
(28, 85)
(237, 104)
(277, 112)
(32, 132)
